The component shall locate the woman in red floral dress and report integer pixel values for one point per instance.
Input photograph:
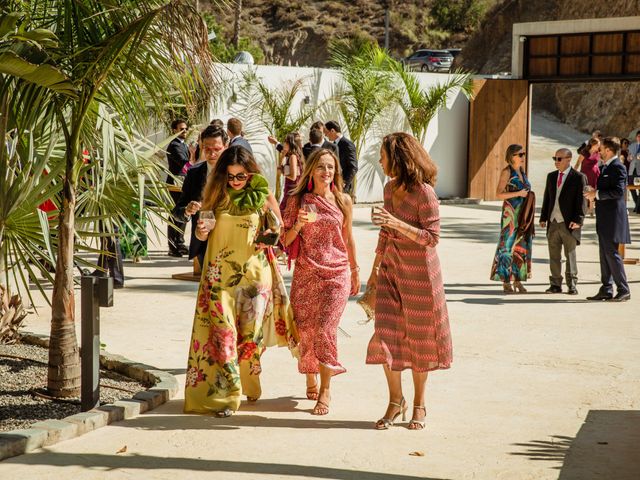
(411, 319)
(318, 216)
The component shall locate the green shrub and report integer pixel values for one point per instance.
(221, 46)
(457, 15)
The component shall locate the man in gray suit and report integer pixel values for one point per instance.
(563, 208)
(234, 129)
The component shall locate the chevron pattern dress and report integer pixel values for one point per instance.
(411, 319)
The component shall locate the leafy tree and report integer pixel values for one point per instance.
(118, 58)
(458, 15)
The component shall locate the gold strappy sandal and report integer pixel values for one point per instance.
(384, 423)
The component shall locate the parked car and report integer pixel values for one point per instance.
(430, 60)
(454, 51)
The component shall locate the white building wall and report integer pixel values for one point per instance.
(446, 137)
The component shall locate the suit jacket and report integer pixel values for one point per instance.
(634, 163)
(308, 149)
(192, 191)
(571, 201)
(348, 160)
(177, 156)
(241, 142)
(612, 221)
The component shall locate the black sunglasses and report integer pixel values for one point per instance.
(241, 177)
(521, 154)
(557, 159)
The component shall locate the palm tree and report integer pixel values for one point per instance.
(368, 86)
(235, 40)
(421, 105)
(276, 112)
(123, 56)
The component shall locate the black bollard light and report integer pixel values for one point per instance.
(95, 292)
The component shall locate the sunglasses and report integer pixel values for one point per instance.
(557, 159)
(521, 154)
(241, 177)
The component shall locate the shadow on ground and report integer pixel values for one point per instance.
(606, 447)
(149, 463)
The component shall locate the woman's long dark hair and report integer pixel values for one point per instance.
(295, 148)
(215, 191)
(409, 162)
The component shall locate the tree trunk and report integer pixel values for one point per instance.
(64, 354)
(235, 41)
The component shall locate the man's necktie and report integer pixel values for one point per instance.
(560, 179)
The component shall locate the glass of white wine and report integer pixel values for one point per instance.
(312, 212)
(208, 218)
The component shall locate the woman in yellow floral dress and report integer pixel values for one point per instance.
(242, 305)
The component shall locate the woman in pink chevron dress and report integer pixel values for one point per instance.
(411, 319)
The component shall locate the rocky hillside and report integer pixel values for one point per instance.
(612, 107)
(295, 32)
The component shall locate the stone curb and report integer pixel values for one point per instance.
(49, 432)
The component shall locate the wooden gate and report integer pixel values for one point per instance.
(498, 117)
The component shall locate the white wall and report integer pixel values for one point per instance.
(446, 137)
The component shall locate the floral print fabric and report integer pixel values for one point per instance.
(242, 308)
(512, 260)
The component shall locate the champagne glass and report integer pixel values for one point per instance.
(636, 181)
(312, 212)
(588, 188)
(208, 218)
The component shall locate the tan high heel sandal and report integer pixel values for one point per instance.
(519, 287)
(507, 288)
(384, 423)
(417, 424)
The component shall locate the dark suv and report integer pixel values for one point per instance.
(430, 60)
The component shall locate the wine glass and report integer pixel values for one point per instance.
(312, 212)
(375, 211)
(208, 218)
(636, 181)
(588, 188)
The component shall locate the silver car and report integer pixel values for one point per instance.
(430, 60)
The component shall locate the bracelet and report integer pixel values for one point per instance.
(355, 269)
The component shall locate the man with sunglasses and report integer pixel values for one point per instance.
(612, 222)
(213, 141)
(563, 210)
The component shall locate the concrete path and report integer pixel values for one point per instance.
(541, 387)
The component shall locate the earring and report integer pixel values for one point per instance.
(310, 185)
(332, 185)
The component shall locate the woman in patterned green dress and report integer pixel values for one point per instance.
(242, 305)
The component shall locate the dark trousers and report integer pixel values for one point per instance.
(611, 267)
(559, 237)
(175, 235)
(634, 194)
(111, 261)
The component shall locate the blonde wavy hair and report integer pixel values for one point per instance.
(307, 174)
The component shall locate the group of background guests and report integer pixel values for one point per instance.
(602, 182)
(243, 306)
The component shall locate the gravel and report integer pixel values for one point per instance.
(19, 407)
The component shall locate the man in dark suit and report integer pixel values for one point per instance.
(316, 142)
(347, 154)
(177, 156)
(612, 222)
(234, 129)
(213, 141)
(563, 209)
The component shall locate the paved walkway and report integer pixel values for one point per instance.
(541, 387)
